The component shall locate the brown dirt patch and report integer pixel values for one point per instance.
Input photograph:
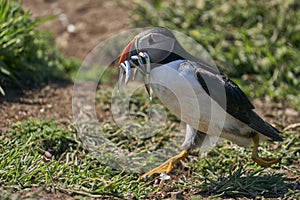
(50, 102)
(94, 21)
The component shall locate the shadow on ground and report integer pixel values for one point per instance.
(240, 184)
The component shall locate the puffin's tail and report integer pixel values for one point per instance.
(263, 127)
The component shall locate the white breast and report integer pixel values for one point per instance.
(182, 94)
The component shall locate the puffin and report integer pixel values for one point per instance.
(210, 104)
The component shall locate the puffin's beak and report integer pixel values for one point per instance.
(128, 55)
(125, 55)
(124, 63)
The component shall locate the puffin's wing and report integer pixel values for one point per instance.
(232, 99)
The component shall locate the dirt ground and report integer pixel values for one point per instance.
(80, 26)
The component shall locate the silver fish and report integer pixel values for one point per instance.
(143, 68)
(120, 77)
(147, 74)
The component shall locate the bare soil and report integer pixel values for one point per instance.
(78, 28)
(80, 25)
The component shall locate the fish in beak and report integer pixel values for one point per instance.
(133, 59)
(124, 64)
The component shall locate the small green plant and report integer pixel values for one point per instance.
(27, 55)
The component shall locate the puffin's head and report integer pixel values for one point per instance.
(152, 46)
(158, 42)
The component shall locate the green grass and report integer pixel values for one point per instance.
(256, 42)
(225, 171)
(27, 55)
(24, 164)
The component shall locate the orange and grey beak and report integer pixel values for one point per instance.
(126, 53)
(130, 56)
(124, 63)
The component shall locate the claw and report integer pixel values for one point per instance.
(167, 166)
(264, 162)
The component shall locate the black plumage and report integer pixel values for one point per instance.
(235, 102)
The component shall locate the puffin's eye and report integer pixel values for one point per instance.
(151, 41)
